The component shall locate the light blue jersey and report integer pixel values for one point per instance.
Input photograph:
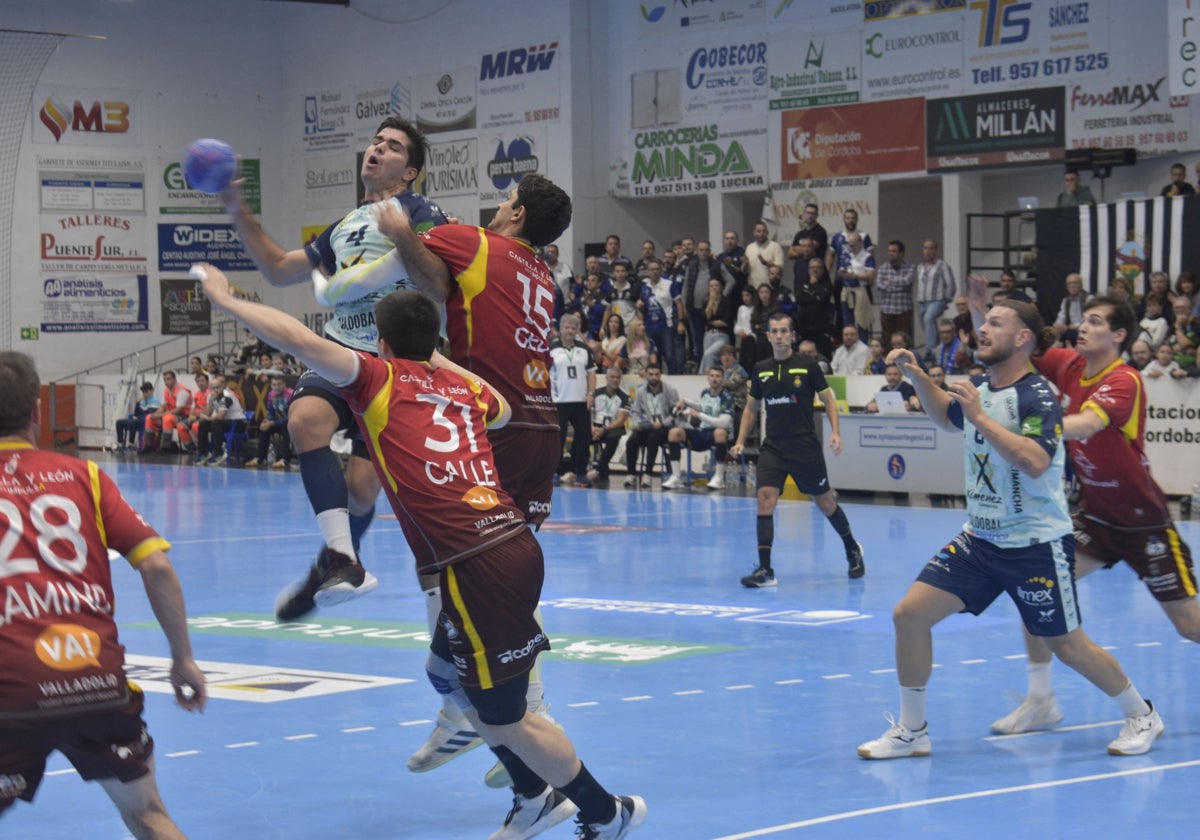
(1005, 506)
(354, 240)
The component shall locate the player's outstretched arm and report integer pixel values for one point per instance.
(280, 267)
(356, 281)
(166, 599)
(332, 361)
(933, 399)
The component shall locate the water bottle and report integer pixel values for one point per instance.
(751, 475)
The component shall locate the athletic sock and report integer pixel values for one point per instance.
(1131, 702)
(1039, 679)
(335, 528)
(765, 525)
(524, 781)
(596, 805)
(324, 482)
(912, 707)
(842, 526)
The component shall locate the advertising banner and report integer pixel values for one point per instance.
(329, 123)
(185, 309)
(92, 242)
(726, 82)
(330, 182)
(661, 18)
(78, 116)
(107, 184)
(178, 198)
(510, 155)
(1129, 113)
(864, 139)
(519, 85)
(995, 129)
(445, 101)
(818, 70)
(452, 168)
(100, 302)
(913, 56)
(180, 245)
(694, 159)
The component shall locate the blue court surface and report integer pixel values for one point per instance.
(734, 712)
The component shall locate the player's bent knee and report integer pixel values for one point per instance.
(503, 705)
(443, 676)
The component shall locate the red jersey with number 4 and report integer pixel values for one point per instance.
(1114, 473)
(58, 642)
(499, 315)
(426, 432)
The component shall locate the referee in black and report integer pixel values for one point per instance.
(787, 383)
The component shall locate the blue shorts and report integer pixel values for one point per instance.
(1040, 579)
(699, 440)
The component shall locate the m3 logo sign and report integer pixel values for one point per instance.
(1003, 21)
(104, 117)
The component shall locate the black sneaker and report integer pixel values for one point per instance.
(631, 812)
(760, 577)
(333, 578)
(855, 559)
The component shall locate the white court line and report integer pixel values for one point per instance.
(242, 744)
(303, 737)
(583, 704)
(789, 682)
(66, 772)
(971, 661)
(742, 687)
(414, 722)
(637, 698)
(689, 691)
(183, 753)
(835, 676)
(354, 729)
(959, 797)
(1148, 644)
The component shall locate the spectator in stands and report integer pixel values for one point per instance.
(962, 320)
(811, 230)
(610, 411)
(814, 309)
(225, 413)
(651, 414)
(706, 425)
(894, 282)
(733, 258)
(1070, 311)
(572, 381)
(901, 340)
(662, 311)
(564, 276)
(1121, 290)
(1186, 286)
(948, 353)
(170, 415)
(274, 426)
(809, 348)
(612, 256)
(856, 273)
(1185, 332)
(762, 253)
(743, 328)
(935, 289)
(1008, 285)
(127, 427)
(640, 350)
(1074, 194)
(850, 359)
(592, 307)
(718, 323)
(736, 381)
(623, 295)
(1158, 283)
(641, 268)
(1163, 363)
(1140, 353)
(1154, 326)
(212, 365)
(702, 269)
(895, 382)
(1178, 184)
(196, 412)
(195, 366)
(611, 350)
(938, 374)
(785, 301)
(877, 360)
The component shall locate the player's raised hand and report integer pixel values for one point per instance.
(906, 359)
(977, 286)
(214, 281)
(391, 219)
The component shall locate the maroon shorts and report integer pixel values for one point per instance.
(104, 744)
(526, 460)
(1160, 557)
(487, 621)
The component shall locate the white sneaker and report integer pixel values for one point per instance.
(1138, 733)
(897, 742)
(447, 740)
(498, 776)
(717, 482)
(1033, 713)
(672, 482)
(631, 812)
(530, 817)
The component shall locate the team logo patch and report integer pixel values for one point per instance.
(68, 647)
(481, 498)
(536, 375)
(1155, 547)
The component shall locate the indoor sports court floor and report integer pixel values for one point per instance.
(734, 712)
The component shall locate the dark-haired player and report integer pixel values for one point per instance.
(344, 504)
(427, 419)
(1123, 512)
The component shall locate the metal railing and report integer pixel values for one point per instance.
(173, 352)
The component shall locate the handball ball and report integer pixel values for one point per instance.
(209, 165)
